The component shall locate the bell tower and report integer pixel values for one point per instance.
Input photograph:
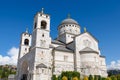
(40, 48)
(25, 44)
(41, 30)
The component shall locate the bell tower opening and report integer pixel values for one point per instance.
(26, 42)
(43, 24)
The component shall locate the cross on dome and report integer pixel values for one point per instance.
(68, 16)
(85, 30)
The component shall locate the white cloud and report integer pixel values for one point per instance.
(114, 65)
(11, 57)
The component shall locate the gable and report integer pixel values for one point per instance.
(92, 36)
(89, 34)
(86, 40)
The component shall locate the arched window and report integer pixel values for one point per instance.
(26, 42)
(43, 24)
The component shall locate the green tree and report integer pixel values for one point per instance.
(99, 77)
(95, 77)
(108, 78)
(54, 77)
(103, 78)
(113, 77)
(118, 77)
(90, 77)
(59, 77)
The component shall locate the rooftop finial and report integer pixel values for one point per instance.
(26, 30)
(85, 30)
(68, 16)
(42, 10)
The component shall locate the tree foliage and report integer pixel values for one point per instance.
(108, 78)
(5, 71)
(113, 77)
(90, 77)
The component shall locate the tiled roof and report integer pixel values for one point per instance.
(63, 48)
(57, 42)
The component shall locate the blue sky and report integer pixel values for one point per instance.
(101, 18)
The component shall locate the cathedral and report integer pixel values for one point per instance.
(40, 57)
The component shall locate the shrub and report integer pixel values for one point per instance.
(75, 78)
(90, 77)
(85, 78)
(108, 78)
(64, 78)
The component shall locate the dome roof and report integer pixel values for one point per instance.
(69, 21)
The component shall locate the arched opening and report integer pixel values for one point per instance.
(25, 70)
(43, 24)
(26, 42)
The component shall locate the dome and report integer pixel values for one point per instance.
(69, 21)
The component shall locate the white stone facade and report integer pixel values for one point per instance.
(40, 57)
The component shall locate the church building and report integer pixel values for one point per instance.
(40, 57)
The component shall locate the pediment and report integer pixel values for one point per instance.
(41, 66)
(88, 50)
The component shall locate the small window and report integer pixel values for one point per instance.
(42, 35)
(40, 14)
(65, 58)
(43, 24)
(46, 16)
(26, 42)
(42, 70)
(35, 25)
(25, 49)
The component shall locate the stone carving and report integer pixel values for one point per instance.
(86, 43)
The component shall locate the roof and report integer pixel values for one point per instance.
(102, 56)
(63, 48)
(88, 50)
(41, 66)
(57, 42)
(69, 21)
